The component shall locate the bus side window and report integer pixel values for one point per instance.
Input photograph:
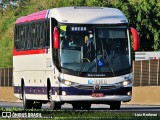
(21, 38)
(38, 35)
(16, 37)
(33, 36)
(47, 33)
(29, 37)
(25, 36)
(41, 36)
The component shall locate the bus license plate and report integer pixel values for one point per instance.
(97, 94)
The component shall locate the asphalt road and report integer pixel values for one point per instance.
(94, 107)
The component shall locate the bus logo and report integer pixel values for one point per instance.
(89, 81)
(6, 115)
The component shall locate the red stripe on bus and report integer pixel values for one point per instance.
(28, 52)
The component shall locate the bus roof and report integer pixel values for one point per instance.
(88, 15)
(32, 17)
(81, 15)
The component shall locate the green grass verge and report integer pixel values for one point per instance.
(82, 115)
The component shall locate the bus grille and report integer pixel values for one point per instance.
(107, 87)
(85, 87)
(92, 87)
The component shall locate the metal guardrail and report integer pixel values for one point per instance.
(145, 73)
(6, 77)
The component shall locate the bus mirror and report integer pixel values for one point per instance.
(136, 41)
(56, 38)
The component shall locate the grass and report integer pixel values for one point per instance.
(7, 22)
(81, 115)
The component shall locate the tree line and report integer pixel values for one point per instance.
(143, 15)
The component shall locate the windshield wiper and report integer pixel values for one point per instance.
(106, 56)
(87, 55)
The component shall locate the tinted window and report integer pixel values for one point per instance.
(33, 35)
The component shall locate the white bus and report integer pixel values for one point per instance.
(76, 55)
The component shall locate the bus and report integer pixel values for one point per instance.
(76, 55)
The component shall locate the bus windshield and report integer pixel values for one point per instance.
(96, 48)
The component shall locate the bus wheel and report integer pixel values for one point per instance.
(115, 105)
(55, 105)
(76, 106)
(86, 106)
(27, 104)
(37, 105)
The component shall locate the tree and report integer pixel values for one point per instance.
(148, 24)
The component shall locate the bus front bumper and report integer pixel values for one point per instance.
(74, 94)
(124, 98)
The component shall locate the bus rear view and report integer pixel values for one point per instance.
(91, 55)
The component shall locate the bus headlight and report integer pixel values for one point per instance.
(63, 93)
(124, 83)
(67, 83)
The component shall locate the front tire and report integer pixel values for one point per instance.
(55, 105)
(76, 106)
(115, 105)
(37, 105)
(86, 106)
(27, 104)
